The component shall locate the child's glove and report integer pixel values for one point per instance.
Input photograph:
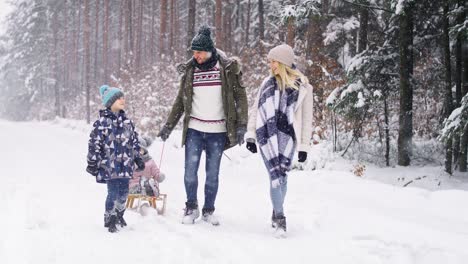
(92, 168)
(302, 156)
(140, 164)
(252, 147)
(162, 176)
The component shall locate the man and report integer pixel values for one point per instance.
(214, 104)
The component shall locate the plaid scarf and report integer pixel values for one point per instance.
(275, 131)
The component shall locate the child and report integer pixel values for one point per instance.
(146, 182)
(113, 152)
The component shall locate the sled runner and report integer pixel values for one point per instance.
(157, 202)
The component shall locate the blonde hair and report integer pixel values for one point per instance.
(287, 77)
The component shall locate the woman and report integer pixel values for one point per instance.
(281, 123)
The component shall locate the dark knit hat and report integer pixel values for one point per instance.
(109, 95)
(202, 41)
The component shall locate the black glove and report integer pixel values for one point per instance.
(240, 135)
(252, 147)
(302, 156)
(92, 168)
(164, 133)
(140, 164)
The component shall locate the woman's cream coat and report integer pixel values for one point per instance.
(303, 117)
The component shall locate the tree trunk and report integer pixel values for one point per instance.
(177, 37)
(146, 11)
(458, 59)
(314, 51)
(74, 69)
(291, 32)
(96, 45)
(172, 33)
(191, 26)
(448, 107)
(125, 35)
(464, 54)
(66, 52)
(364, 20)
(261, 25)
(163, 28)
(139, 39)
(465, 59)
(227, 27)
(105, 42)
(238, 13)
(238, 27)
(458, 84)
(462, 161)
(247, 26)
(213, 13)
(130, 34)
(405, 131)
(219, 24)
(153, 32)
(387, 133)
(291, 29)
(56, 64)
(325, 7)
(86, 33)
(120, 38)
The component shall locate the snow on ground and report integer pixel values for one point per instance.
(52, 211)
(5, 9)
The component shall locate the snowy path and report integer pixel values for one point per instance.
(51, 212)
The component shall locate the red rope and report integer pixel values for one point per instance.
(162, 152)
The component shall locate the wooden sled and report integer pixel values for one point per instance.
(157, 202)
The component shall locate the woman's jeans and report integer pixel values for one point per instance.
(278, 189)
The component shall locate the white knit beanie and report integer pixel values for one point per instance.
(282, 53)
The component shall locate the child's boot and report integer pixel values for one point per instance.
(120, 219)
(106, 219)
(112, 223)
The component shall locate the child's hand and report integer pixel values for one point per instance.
(302, 156)
(161, 177)
(92, 169)
(140, 164)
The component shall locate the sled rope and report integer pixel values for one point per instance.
(227, 156)
(162, 153)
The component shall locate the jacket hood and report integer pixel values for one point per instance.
(108, 113)
(231, 63)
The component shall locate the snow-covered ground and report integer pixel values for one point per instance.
(5, 9)
(52, 211)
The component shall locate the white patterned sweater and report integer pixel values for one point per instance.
(207, 106)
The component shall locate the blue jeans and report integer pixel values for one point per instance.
(117, 192)
(278, 193)
(213, 144)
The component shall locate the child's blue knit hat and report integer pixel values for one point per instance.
(109, 95)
